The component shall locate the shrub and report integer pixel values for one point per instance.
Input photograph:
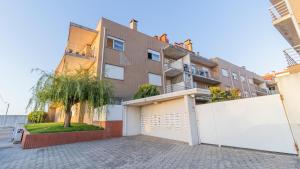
(217, 94)
(146, 90)
(37, 117)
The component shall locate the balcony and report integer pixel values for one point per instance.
(285, 21)
(203, 76)
(261, 91)
(292, 55)
(279, 10)
(173, 68)
(73, 61)
(176, 87)
(203, 95)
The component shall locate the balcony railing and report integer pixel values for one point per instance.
(202, 75)
(176, 87)
(292, 55)
(279, 10)
(261, 90)
(174, 65)
(78, 54)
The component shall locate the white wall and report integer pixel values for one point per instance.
(289, 88)
(109, 113)
(256, 123)
(166, 119)
(131, 121)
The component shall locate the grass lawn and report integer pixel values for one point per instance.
(59, 127)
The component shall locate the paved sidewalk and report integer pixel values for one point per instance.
(140, 152)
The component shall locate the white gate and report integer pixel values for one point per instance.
(255, 123)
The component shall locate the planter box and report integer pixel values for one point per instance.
(111, 129)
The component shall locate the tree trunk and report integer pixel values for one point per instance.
(68, 116)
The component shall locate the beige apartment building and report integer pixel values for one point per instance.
(286, 19)
(129, 58)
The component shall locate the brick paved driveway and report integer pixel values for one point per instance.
(139, 152)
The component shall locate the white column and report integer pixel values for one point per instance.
(193, 137)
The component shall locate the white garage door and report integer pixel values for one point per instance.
(167, 124)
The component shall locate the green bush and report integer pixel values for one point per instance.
(218, 94)
(37, 117)
(146, 90)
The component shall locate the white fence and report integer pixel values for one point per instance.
(255, 123)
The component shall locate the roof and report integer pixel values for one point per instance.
(165, 97)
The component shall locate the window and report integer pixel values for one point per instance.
(115, 43)
(193, 69)
(153, 55)
(225, 72)
(114, 72)
(242, 78)
(246, 94)
(206, 71)
(154, 79)
(235, 76)
(251, 81)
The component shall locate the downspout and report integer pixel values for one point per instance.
(163, 70)
(102, 52)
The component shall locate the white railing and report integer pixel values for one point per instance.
(176, 87)
(279, 10)
(292, 55)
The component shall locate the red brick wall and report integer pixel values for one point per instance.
(111, 129)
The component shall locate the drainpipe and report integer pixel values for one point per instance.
(102, 53)
(163, 68)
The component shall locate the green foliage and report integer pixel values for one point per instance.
(146, 90)
(69, 89)
(59, 127)
(37, 117)
(217, 94)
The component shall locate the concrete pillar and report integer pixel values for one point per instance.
(189, 103)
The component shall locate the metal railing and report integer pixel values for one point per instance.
(78, 54)
(173, 65)
(261, 90)
(279, 10)
(292, 55)
(176, 87)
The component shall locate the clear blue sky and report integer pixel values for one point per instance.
(33, 34)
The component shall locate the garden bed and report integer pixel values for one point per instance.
(59, 127)
(48, 134)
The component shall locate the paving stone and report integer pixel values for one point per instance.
(141, 152)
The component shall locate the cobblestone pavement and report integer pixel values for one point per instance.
(140, 152)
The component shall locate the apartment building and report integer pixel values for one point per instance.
(129, 58)
(286, 19)
(232, 76)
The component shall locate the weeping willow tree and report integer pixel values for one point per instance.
(67, 90)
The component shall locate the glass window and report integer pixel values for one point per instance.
(154, 79)
(115, 43)
(118, 45)
(225, 72)
(251, 81)
(153, 55)
(235, 76)
(242, 78)
(114, 72)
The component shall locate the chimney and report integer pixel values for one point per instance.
(188, 45)
(133, 24)
(164, 38)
